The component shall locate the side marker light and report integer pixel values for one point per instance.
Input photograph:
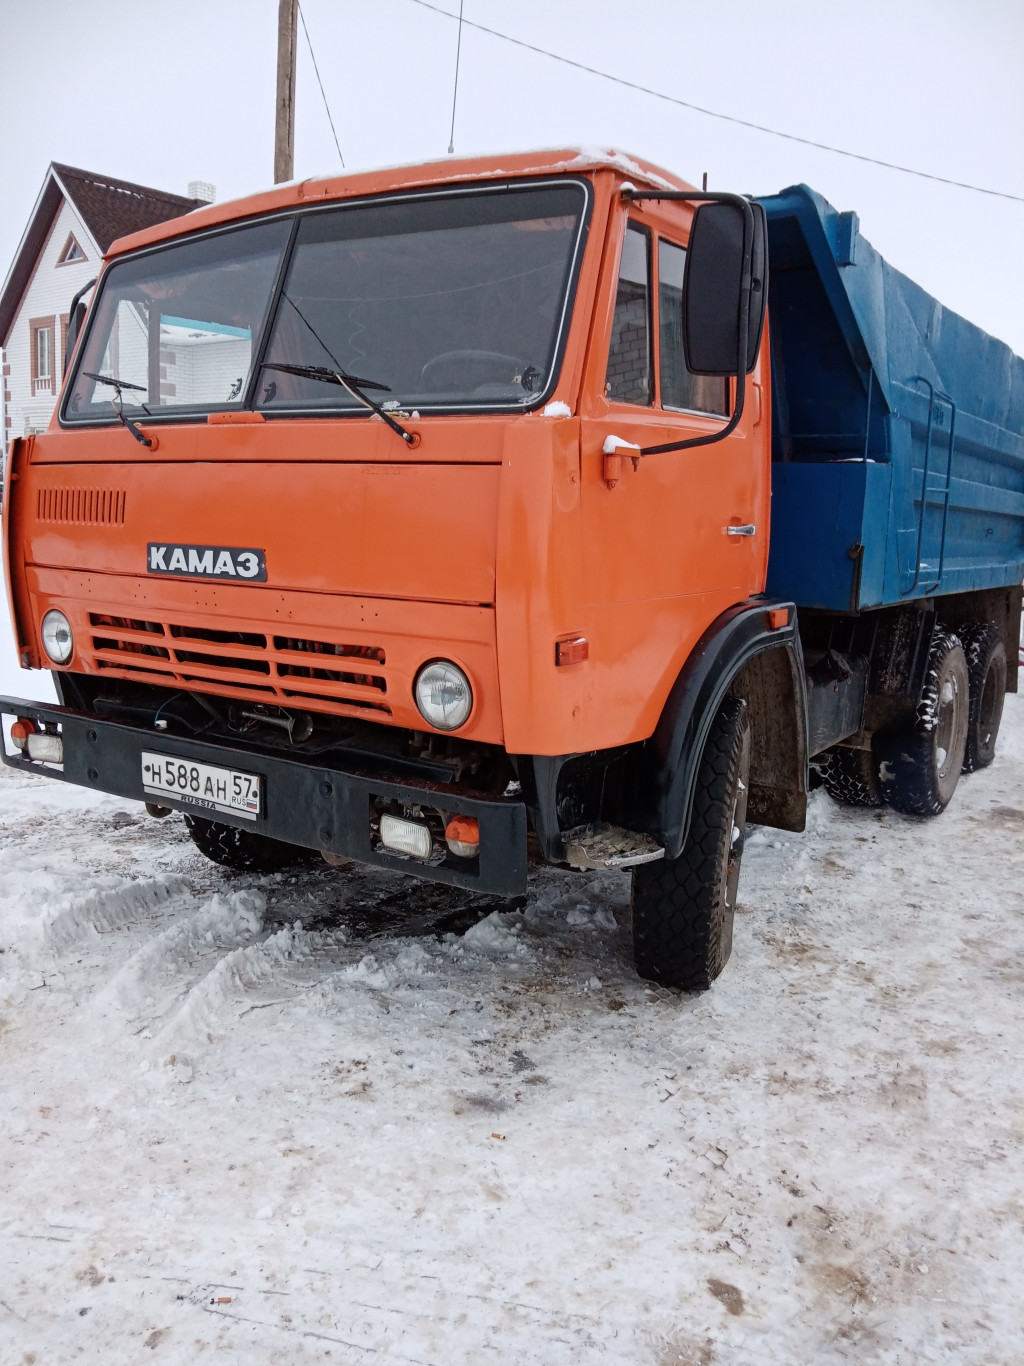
(575, 650)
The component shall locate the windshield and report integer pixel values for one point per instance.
(176, 327)
(433, 301)
(449, 301)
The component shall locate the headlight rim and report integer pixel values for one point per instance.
(58, 660)
(440, 661)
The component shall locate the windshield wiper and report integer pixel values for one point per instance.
(117, 403)
(352, 384)
(114, 382)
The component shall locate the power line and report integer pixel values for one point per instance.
(321, 85)
(455, 91)
(715, 114)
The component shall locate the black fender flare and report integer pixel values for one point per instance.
(668, 767)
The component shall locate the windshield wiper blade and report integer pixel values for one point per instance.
(117, 403)
(329, 376)
(114, 382)
(352, 384)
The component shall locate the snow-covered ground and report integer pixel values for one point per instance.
(351, 1118)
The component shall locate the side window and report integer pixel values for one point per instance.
(630, 376)
(679, 388)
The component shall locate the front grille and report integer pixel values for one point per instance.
(228, 662)
(81, 506)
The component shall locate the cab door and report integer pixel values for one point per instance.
(670, 540)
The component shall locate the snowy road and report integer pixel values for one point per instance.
(340, 1117)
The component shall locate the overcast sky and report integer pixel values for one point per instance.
(167, 93)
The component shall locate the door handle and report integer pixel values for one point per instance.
(748, 530)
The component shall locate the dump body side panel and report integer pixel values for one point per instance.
(898, 427)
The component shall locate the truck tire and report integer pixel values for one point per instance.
(985, 650)
(850, 776)
(244, 850)
(683, 908)
(920, 768)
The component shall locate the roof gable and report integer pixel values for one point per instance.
(114, 208)
(108, 208)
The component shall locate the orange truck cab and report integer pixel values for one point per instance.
(420, 517)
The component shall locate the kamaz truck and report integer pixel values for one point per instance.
(455, 517)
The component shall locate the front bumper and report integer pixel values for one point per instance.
(308, 803)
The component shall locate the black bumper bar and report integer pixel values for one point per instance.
(304, 803)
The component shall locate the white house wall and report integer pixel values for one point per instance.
(49, 294)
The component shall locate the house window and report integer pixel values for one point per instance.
(70, 252)
(41, 332)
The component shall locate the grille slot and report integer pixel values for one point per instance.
(130, 647)
(357, 703)
(256, 666)
(81, 506)
(125, 623)
(321, 647)
(332, 676)
(252, 638)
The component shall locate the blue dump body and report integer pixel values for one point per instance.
(897, 426)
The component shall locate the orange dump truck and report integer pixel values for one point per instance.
(420, 517)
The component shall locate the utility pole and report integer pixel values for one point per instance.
(284, 129)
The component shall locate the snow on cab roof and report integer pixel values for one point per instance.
(411, 175)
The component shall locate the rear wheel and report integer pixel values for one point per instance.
(851, 776)
(683, 908)
(985, 651)
(920, 767)
(244, 850)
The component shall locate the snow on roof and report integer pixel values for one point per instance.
(485, 166)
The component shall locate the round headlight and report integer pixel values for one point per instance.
(443, 694)
(58, 642)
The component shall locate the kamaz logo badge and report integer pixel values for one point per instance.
(207, 562)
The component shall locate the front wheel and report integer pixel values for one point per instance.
(920, 767)
(683, 908)
(244, 850)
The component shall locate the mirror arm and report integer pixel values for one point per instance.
(82, 293)
(741, 368)
(71, 341)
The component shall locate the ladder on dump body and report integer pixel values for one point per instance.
(934, 419)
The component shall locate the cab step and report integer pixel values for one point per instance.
(609, 846)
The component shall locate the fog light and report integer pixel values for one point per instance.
(45, 749)
(443, 695)
(462, 834)
(406, 837)
(58, 642)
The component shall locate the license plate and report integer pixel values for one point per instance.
(202, 785)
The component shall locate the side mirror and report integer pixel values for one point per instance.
(76, 317)
(725, 286)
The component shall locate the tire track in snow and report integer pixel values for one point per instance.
(109, 909)
(189, 981)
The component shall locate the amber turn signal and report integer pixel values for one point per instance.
(462, 834)
(20, 731)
